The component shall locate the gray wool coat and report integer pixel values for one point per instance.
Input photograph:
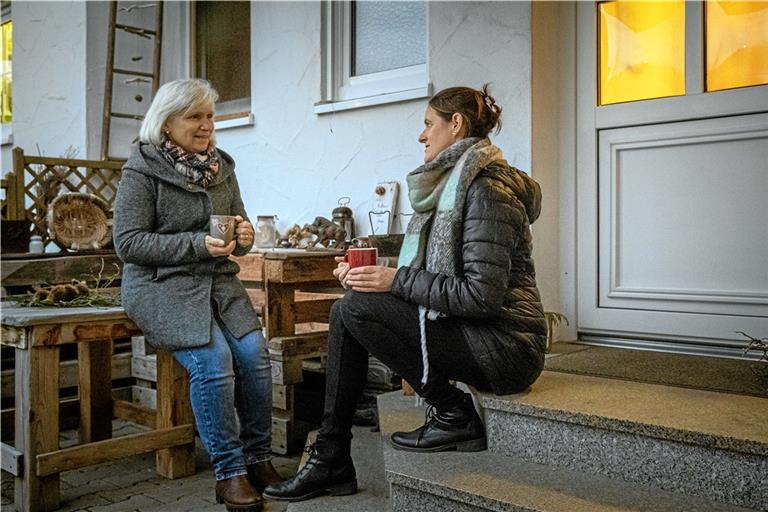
(170, 283)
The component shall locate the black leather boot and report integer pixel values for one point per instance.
(238, 495)
(262, 474)
(456, 428)
(317, 477)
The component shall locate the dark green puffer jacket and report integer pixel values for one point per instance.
(495, 295)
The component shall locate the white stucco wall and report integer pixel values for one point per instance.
(49, 77)
(296, 163)
(292, 162)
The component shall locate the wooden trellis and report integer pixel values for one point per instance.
(36, 180)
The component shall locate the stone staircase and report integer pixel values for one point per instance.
(577, 443)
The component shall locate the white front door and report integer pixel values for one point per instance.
(672, 198)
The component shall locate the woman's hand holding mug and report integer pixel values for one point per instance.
(244, 231)
(357, 270)
(217, 247)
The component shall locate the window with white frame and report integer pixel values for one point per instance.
(222, 53)
(375, 52)
(6, 74)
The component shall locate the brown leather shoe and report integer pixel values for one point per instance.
(263, 474)
(238, 495)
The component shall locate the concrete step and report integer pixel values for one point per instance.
(465, 482)
(699, 443)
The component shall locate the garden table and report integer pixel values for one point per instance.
(36, 460)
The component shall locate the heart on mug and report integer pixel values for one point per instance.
(223, 227)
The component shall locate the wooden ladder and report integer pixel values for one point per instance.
(140, 76)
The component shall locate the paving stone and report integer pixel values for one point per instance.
(83, 502)
(186, 504)
(122, 493)
(176, 490)
(132, 504)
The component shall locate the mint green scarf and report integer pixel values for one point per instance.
(437, 191)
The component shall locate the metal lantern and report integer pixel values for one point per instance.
(342, 216)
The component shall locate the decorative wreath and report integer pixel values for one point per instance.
(79, 221)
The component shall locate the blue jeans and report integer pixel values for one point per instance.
(225, 375)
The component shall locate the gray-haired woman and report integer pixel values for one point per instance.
(182, 290)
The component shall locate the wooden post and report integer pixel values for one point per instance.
(37, 426)
(15, 209)
(95, 390)
(174, 409)
(280, 309)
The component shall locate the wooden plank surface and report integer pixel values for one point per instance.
(25, 271)
(300, 270)
(286, 372)
(67, 459)
(144, 367)
(22, 317)
(306, 344)
(115, 165)
(12, 459)
(308, 306)
(82, 330)
(251, 267)
(135, 413)
(286, 266)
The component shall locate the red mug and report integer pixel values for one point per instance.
(361, 256)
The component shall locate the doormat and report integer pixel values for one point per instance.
(699, 372)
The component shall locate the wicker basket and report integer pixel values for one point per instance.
(79, 221)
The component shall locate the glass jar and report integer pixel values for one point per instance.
(265, 233)
(36, 244)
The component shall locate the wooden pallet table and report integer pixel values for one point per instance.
(283, 285)
(35, 460)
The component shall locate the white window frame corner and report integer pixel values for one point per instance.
(342, 91)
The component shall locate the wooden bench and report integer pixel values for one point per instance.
(36, 459)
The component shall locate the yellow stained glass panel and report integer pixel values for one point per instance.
(5, 90)
(642, 50)
(736, 44)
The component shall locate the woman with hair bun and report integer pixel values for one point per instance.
(462, 306)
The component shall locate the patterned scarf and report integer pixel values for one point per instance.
(437, 191)
(198, 168)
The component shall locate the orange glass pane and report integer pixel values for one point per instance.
(736, 44)
(6, 30)
(642, 50)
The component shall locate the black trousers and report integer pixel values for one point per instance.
(388, 328)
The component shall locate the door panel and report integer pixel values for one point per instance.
(682, 222)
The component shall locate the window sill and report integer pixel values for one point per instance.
(7, 135)
(246, 119)
(370, 101)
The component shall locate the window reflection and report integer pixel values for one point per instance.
(642, 50)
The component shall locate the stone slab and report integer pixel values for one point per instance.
(678, 467)
(705, 418)
(490, 481)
